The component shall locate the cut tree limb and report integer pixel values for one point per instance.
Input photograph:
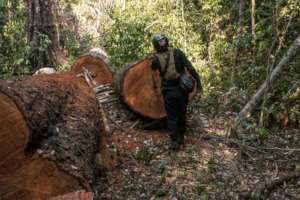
(256, 99)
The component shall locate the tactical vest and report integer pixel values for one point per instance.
(171, 73)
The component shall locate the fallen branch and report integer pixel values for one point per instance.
(264, 188)
(119, 126)
(256, 99)
(134, 124)
(104, 120)
(281, 149)
(232, 142)
(235, 142)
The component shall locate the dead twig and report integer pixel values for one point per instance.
(119, 126)
(134, 124)
(133, 159)
(233, 142)
(104, 120)
(241, 145)
(281, 149)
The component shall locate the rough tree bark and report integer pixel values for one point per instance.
(256, 99)
(49, 129)
(139, 87)
(42, 33)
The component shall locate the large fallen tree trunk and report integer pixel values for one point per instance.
(139, 88)
(49, 129)
(256, 99)
(100, 71)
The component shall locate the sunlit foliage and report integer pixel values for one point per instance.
(205, 30)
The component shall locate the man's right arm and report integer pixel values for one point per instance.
(155, 65)
(188, 65)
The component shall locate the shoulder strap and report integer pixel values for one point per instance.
(166, 66)
(180, 68)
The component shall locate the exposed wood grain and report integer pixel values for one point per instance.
(139, 88)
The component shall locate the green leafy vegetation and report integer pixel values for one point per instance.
(14, 51)
(207, 31)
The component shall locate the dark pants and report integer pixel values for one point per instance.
(176, 102)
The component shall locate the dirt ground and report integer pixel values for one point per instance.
(207, 167)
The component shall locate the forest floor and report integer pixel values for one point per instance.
(207, 167)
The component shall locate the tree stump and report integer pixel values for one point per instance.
(49, 129)
(99, 70)
(139, 88)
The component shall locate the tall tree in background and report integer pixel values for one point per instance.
(41, 33)
(240, 33)
(253, 25)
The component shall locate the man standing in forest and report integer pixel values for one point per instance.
(172, 63)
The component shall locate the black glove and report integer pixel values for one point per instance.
(199, 85)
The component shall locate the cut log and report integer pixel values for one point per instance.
(49, 129)
(139, 87)
(99, 70)
(99, 53)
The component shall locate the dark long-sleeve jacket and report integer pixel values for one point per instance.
(181, 62)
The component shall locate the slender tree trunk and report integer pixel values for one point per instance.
(270, 63)
(42, 33)
(256, 99)
(240, 32)
(253, 26)
(124, 5)
(184, 24)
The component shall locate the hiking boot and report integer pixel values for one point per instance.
(174, 146)
(181, 140)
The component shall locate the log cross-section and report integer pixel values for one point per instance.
(100, 71)
(139, 88)
(49, 134)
